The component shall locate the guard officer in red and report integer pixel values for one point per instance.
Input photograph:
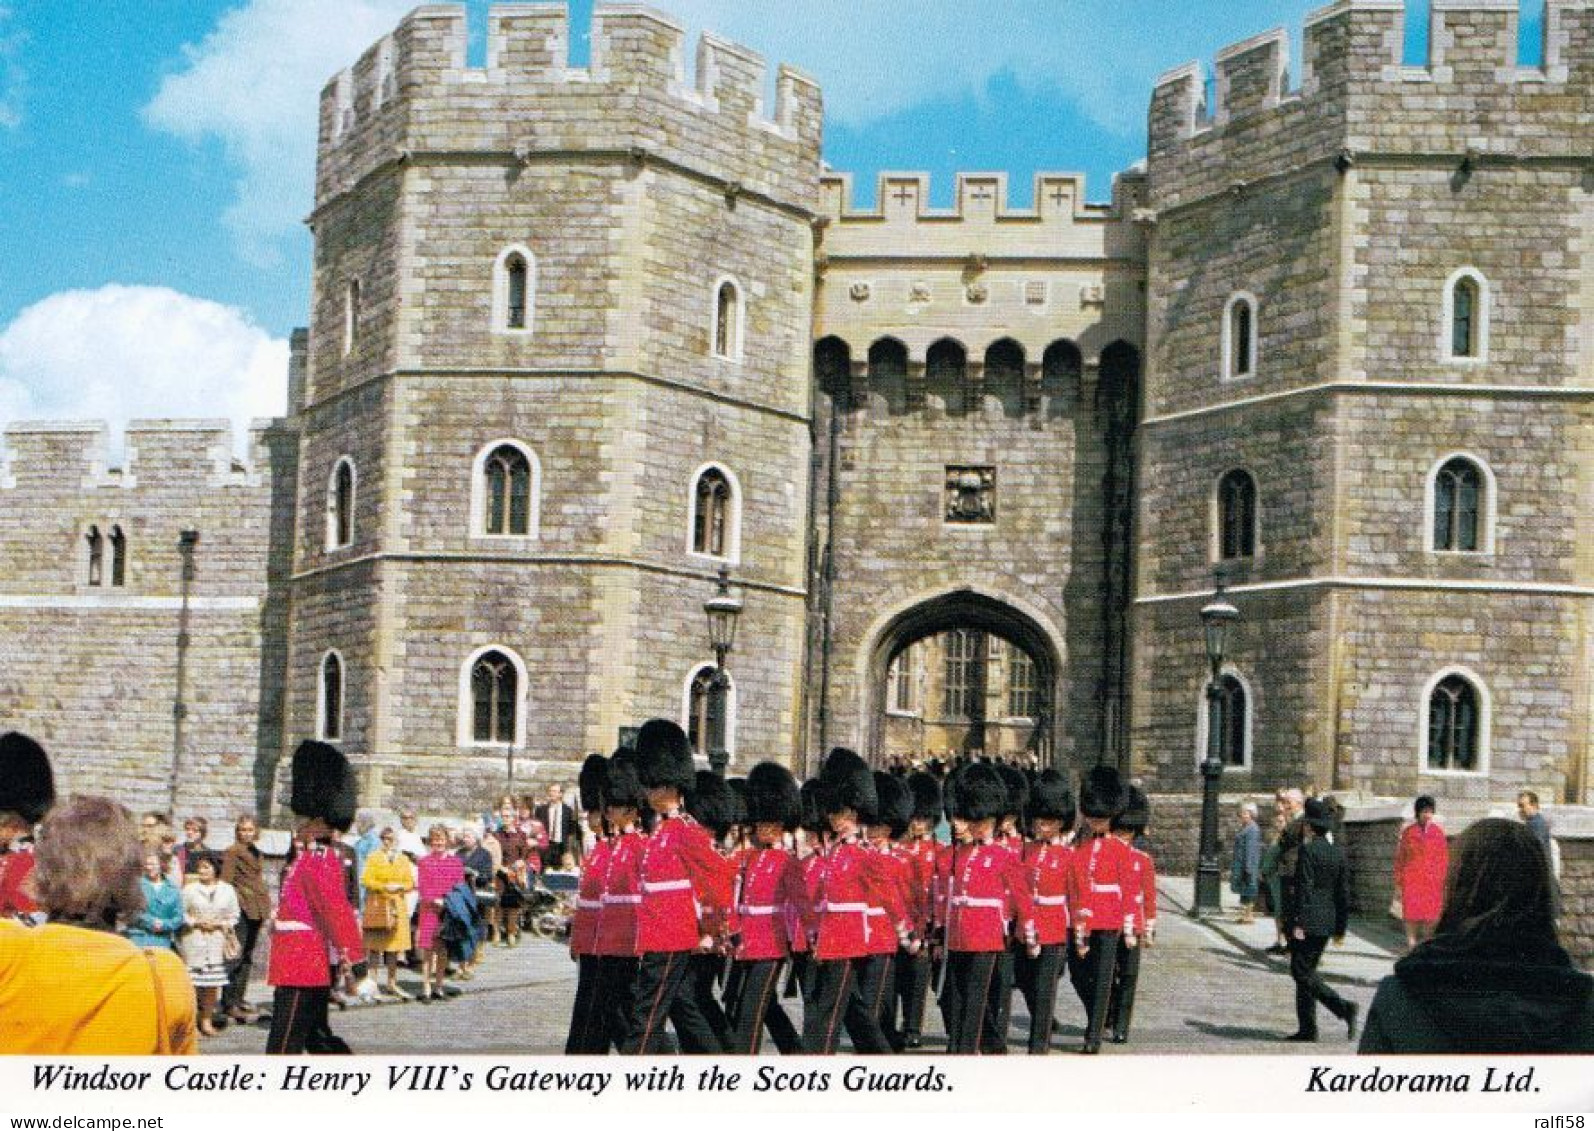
(987, 898)
(680, 873)
(586, 1014)
(921, 849)
(879, 983)
(854, 879)
(1108, 900)
(27, 790)
(314, 916)
(1130, 827)
(1049, 863)
(719, 809)
(1010, 835)
(772, 912)
(620, 898)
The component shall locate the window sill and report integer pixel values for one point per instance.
(505, 541)
(1459, 555)
(1428, 771)
(507, 332)
(892, 712)
(716, 559)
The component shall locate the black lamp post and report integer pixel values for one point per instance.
(1216, 620)
(722, 609)
(187, 540)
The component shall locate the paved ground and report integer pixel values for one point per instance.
(1204, 988)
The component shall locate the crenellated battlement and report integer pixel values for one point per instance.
(904, 198)
(157, 455)
(388, 100)
(1353, 49)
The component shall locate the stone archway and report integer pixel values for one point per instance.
(961, 610)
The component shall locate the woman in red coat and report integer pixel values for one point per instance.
(1420, 865)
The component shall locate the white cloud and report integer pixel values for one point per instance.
(12, 77)
(120, 353)
(254, 83)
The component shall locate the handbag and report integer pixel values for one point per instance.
(232, 948)
(378, 915)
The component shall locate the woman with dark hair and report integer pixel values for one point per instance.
(1421, 860)
(1493, 979)
(73, 986)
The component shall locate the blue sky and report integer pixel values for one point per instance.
(155, 158)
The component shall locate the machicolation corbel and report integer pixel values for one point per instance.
(733, 190)
(1345, 160)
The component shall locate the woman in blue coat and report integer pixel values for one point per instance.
(163, 907)
(1245, 872)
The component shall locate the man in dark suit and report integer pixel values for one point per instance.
(560, 821)
(1317, 909)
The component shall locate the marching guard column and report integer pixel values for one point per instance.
(1049, 860)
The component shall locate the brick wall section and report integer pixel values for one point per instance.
(1577, 898)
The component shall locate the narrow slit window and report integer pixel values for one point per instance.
(118, 557)
(517, 279)
(1464, 318)
(96, 543)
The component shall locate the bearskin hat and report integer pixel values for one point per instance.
(1051, 799)
(27, 785)
(1103, 794)
(773, 796)
(1137, 812)
(896, 803)
(711, 803)
(849, 784)
(664, 756)
(623, 789)
(323, 785)
(814, 806)
(949, 789)
(1017, 786)
(926, 792)
(738, 788)
(980, 795)
(592, 780)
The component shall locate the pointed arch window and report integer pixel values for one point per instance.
(1236, 512)
(1455, 719)
(1458, 506)
(716, 514)
(340, 505)
(508, 485)
(494, 698)
(1235, 720)
(709, 711)
(514, 290)
(728, 317)
(329, 709)
(96, 543)
(1239, 337)
(1465, 331)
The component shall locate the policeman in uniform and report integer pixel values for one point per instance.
(314, 916)
(27, 790)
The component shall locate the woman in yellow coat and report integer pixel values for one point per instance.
(389, 877)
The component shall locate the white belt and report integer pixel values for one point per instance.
(608, 899)
(668, 885)
(290, 925)
(760, 909)
(589, 904)
(975, 901)
(860, 908)
(1051, 900)
(1114, 888)
(877, 910)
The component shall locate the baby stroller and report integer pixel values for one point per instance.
(551, 904)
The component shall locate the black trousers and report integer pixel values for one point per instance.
(837, 1000)
(753, 998)
(664, 992)
(913, 989)
(1008, 975)
(616, 996)
(1037, 980)
(977, 981)
(1121, 1006)
(1092, 978)
(248, 931)
(299, 1022)
(706, 968)
(877, 983)
(1310, 988)
(587, 1032)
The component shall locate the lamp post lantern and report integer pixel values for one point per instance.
(723, 609)
(1217, 618)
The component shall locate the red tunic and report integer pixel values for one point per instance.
(854, 879)
(313, 917)
(923, 856)
(685, 883)
(1107, 887)
(16, 866)
(813, 868)
(882, 935)
(1421, 861)
(1051, 874)
(589, 898)
(1146, 869)
(772, 909)
(616, 931)
(987, 891)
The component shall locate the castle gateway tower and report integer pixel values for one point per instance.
(558, 378)
(1370, 399)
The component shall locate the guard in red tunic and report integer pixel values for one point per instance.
(620, 898)
(314, 915)
(719, 809)
(680, 873)
(1010, 835)
(586, 1014)
(879, 982)
(1130, 827)
(772, 913)
(921, 850)
(988, 901)
(854, 879)
(27, 790)
(1049, 863)
(813, 839)
(1107, 900)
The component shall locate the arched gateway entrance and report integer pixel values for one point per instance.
(962, 672)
